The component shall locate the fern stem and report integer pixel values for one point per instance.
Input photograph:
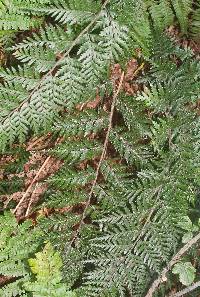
(162, 278)
(157, 193)
(186, 290)
(30, 187)
(100, 162)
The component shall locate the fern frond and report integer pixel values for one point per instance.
(15, 87)
(14, 15)
(81, 124)
(195, 24)
(52, 37)
(72, 80)
(72, 12)
(133, 257)
(116, 223)
(73, 152)
(182, 9)
(27, 77)
(60, 233)
(92, 59)
(113, 38)
(127, 149)
(42, 60)
(15, 248)
(133, 115)
(70, 179)
(114, 175)
(46, 267)
(69, 83)
(161, 14)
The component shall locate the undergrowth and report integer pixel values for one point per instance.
(99, 140)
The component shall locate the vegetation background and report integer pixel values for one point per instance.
(99, 148)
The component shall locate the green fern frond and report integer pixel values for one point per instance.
(27, 77)
(58, 229)
(75, 152)
(182, 9)
(92, 59)
(41, 60)
(15, 16)
(195, 24)
(52, 37)
(113, 38)
(70, 179)
(70, 82)
(72, 12)
(128, 150)
(116, 240)
(122, 251)
(161, 14)
(81, 124)
(46, 267)
(15, 248)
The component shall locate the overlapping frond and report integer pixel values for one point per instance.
(128, 173)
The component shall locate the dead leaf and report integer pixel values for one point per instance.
(131, 67)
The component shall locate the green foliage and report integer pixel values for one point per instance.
(46, 267)
(186, 272)
(58, 229)
(18, 15)
(196, 22)
(72, 82)
(71, 12)
(116, 240)
(161, 13)
(12, 18)
(186, 225)
(182, 9)
(17, 243)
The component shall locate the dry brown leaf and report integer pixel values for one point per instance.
(116, 72)
(131, 67)
(90, 104)
(130, 88)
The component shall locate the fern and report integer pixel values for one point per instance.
(16, 247)
(15, 16)
(74, 152)
(112, 217)
(46, 267)
(125, 270)
(182, 9)
(83, 124)
(161, 14)
(196, 22)
(69, 80)
(71, 13)
(18, 242)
